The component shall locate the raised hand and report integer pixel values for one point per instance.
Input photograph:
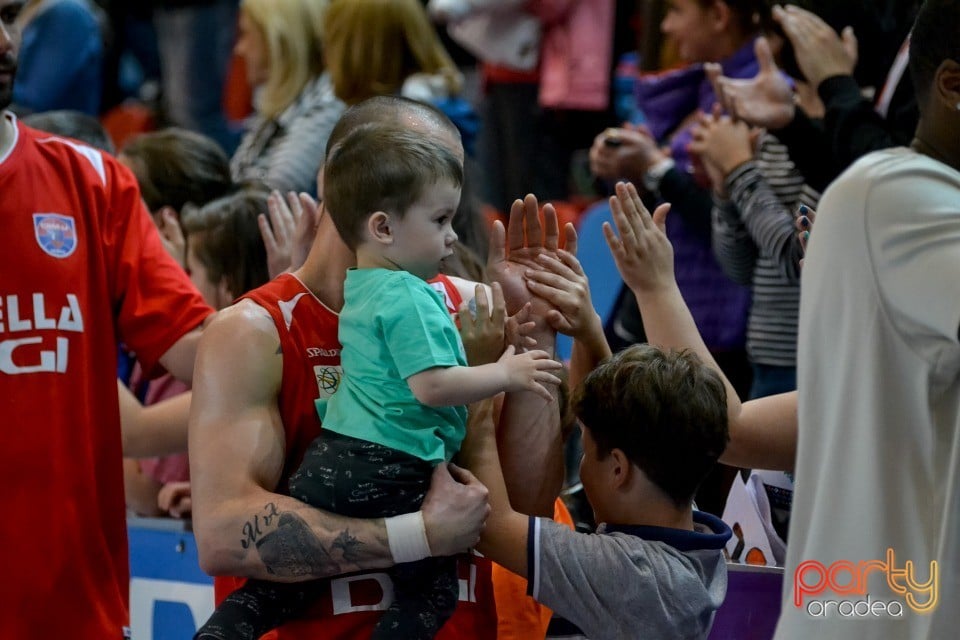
(641, 251)
(820, 52)
(514, 251)
(564, 285)
(529, 371)
(722, 144)
(290, 232)
(278, 233)
(766, 100)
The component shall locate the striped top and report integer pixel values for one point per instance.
(285, 152)
(755, 242)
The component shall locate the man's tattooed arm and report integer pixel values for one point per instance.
(293, 549)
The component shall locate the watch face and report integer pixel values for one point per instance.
(653, 176)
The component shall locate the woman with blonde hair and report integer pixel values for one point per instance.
(381, 47)
(296, 108)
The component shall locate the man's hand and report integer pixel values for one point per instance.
(514, 252)
(454, 510)
(766, 100)
(624, 153)
(820, 52)
(642, 253)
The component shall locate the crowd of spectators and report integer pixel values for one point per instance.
(196, 187)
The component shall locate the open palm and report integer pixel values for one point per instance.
(514, 252)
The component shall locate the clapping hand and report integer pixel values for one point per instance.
(766, 100)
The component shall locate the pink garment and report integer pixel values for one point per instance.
(576, 53)
(166, 469)
(175, 468)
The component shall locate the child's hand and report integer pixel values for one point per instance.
(290, 231)
(519, 327)
(642, 252)
(175, 498)
(483, 332)
(722, 142)
(564, 285)
(529, 371)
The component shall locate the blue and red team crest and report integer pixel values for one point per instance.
(56, 234)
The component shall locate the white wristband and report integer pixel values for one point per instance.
(407, 537)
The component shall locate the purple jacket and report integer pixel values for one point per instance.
(718, 305)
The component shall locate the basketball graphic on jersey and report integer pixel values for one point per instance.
(328, 379)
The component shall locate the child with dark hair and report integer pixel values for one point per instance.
(398, 410)
(653, 424)
(225, 255)
(176, 166)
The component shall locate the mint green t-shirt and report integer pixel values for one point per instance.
(394, 325)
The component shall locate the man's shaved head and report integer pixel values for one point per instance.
(409, 114)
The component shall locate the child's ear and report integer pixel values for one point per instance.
(719, 15)
(224, 293)
(378, 228)
(620, 468)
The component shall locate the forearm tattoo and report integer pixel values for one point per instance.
(349, 545)
(294, 550)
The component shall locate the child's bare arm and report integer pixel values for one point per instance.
(763, 432)
(447, 386)
(504, 537)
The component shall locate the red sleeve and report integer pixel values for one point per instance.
(155, 302)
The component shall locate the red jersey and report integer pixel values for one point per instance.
(350, 607)
(82, 268)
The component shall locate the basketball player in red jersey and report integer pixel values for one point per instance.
(261, 365)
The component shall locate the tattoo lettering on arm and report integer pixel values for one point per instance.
(293, 550)
(251, 528)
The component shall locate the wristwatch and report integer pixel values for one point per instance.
(654, 175)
